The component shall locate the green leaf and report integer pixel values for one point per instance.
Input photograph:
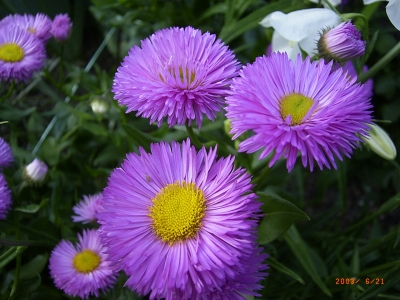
(281, 268)
(33, 207)
(280, 214)
(141, 139)
(301, 251)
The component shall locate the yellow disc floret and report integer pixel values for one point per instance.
(11, 52)
(297, 106)
(86, 261)
(177, 212)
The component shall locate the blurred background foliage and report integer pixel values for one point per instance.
(353, 231)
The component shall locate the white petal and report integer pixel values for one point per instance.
(300, 24)
(309, 44)
(366, 2)
(281, 44)
(393, 12)
(266, 22)
(333, 2)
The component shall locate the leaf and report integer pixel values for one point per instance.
(281, 268)
(280, 214)
(33, 207)
(303, 255)
(142, 139)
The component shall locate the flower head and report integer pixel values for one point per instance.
(5, 197)
(81, 270)
(178, 73)
(182, 224)
(87, 208)
(21, 54)
(39, 26)
(61, 27)
(6, 156)
(298, 106)
(341, 43)
(35, 172)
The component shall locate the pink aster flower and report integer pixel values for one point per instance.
(341, 43)
(61, 27)
(182, 224)
(6, 156)
(178, 73)
(5, 197)
(87, 208)
(39, 25)
(298, 107)
(21, 54)
(81, 270)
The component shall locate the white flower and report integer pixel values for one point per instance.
(392, 10)
(299, 29)
(380, 142)
(36, 171)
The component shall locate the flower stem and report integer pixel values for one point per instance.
(262, 178)
(380, 64)
(18, 264)
(193, 136)
(74, 88)
(9, 91)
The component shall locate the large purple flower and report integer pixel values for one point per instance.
(298, 107)
(39, 25)
(5, 197)
(177, 72)
(21, 54)
(182, 224)
(6, 156)
(81, 270)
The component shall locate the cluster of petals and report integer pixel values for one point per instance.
(339, 115)
(178, 73)
(6, 156)
(5, 197)
(222, 261)
(61, 27)
(87, 208)
(35, 172)
(70, 280)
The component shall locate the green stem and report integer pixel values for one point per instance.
(380, 64)
(18, 264)
(9, 91)
(61, 65)
(193, 137)
(262, 178)
(26, 243)
(74, 88)
(38, 233)
(332, 7)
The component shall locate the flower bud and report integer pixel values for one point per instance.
(61, 27)
(341, 43)
(380, 142)
(35, 172)
(99, 106)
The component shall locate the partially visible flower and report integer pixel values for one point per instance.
(87, 208)
(380, 142)
(39, 25)
(298, 106)
(182, 224)
(99, 106)
(392, 10)
(82, 270)
(6, 156)
(61, 27)
(341, 43)
(299, 29)
(178, 73)
(348, 67)
(21, 54)
(35, 172)
(5, 197)
(333, 2)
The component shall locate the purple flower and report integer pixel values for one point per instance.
(352, 74)
(341, 43)
(61, 27)
(87, 208)
(35, 172)
(178, 72)
(21, 54)
(6, 156)
(298, 107)
(5, 197)
(38, 25)
(81, 270)
(182, 224)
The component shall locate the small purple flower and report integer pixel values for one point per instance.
(21, 54)
(38, 25)
(6, 156)
(5, 197)
(182, 224)
(81, 270)
(298, 106)
(341, 43)
(61, 27)
(87, 208)
(35, 172)
(178, 73)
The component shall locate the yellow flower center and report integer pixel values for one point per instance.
(11, 52)
(297, 106)
(177, 212)
(86, 261)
